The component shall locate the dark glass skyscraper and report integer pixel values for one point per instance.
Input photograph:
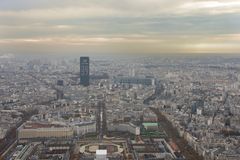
(84, 71)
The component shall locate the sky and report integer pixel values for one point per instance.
(63, 27)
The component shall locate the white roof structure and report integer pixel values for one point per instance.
(101, 152)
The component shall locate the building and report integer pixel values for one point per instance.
(149, 116)
(60, 82)
(195, 105)
(60, 94)
(134, 80)
(101, 154)
(25, 152)
(84, 71)
(151, 126)
(125, 127)
(81, 129)
(33, 130)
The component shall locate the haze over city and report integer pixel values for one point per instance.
(119, 80)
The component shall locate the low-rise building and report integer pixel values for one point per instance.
(32, 130)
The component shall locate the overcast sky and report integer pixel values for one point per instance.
(119, 26)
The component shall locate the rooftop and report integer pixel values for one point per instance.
(34, 125)
(150, 124)
(101, 152)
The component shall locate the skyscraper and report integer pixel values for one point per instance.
(60, 94)
(84, 71)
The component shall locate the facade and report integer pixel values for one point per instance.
(36, 130)
(124, 127)
(84, 71)
(84, 129)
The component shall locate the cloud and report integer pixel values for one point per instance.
(211, 7)
(111, 8)
(82, 40)
(59, 13)
(226, 43)
(137, 25)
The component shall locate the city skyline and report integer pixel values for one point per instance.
(144, 27)
(176, 108)
(119, 80)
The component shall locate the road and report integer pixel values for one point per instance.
(11, 137)
(188, 152)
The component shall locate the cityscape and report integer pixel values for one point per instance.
(120, 80)
(141, 108)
